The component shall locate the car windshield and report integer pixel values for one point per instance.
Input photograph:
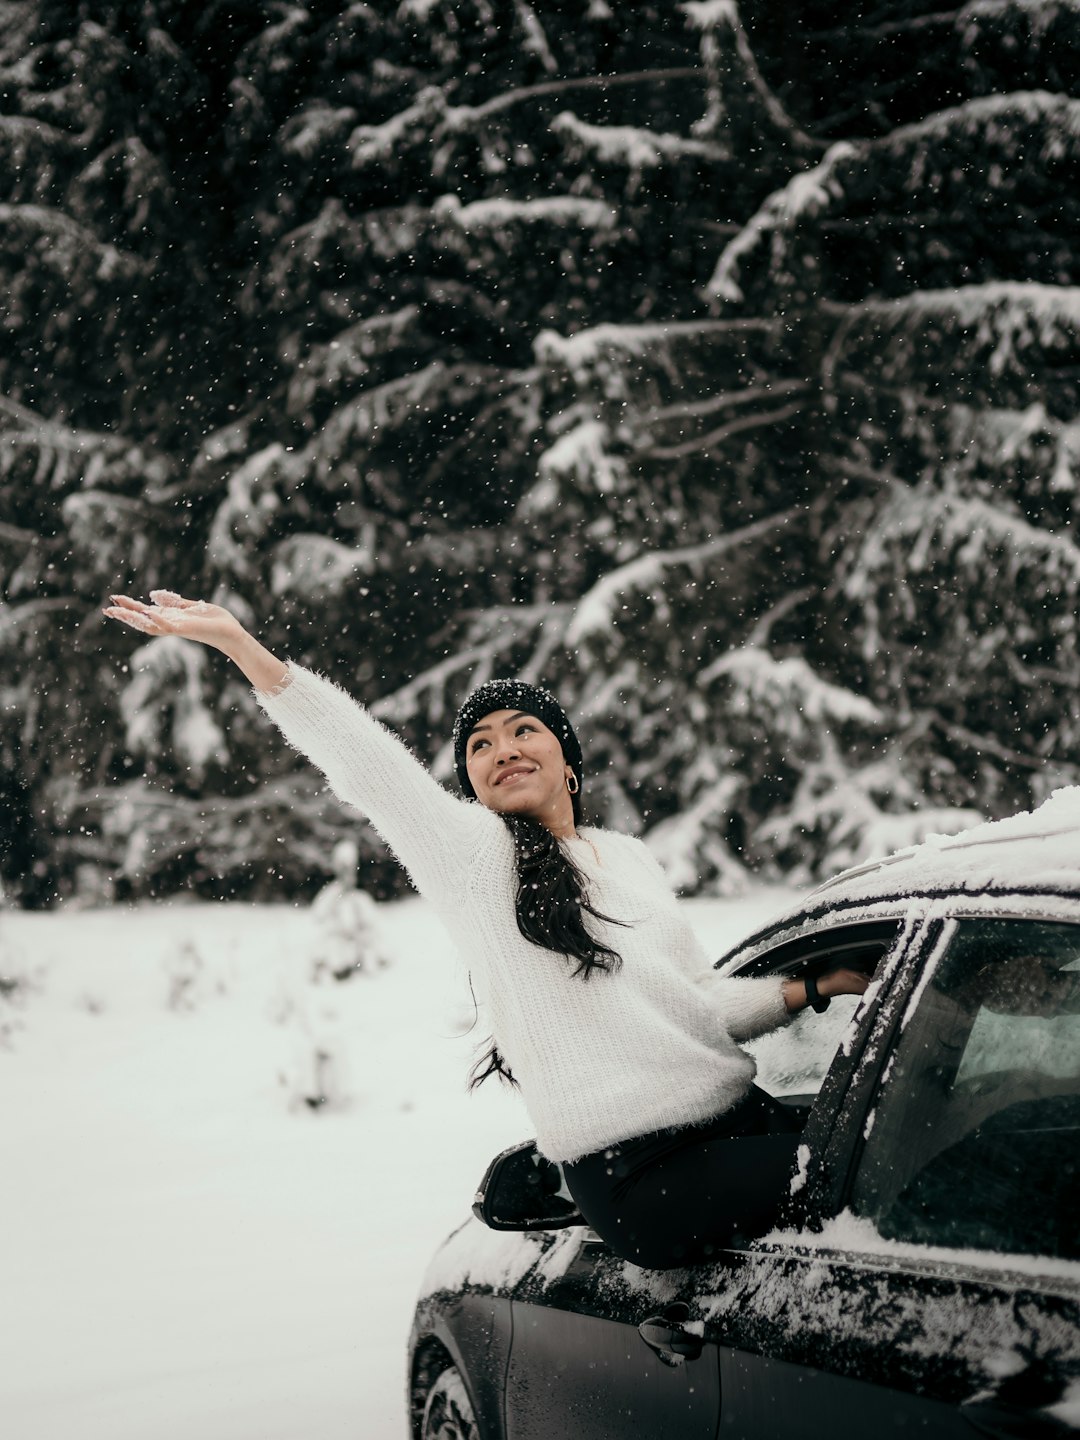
(979, 1110)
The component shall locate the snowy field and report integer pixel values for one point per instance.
(189, 1247)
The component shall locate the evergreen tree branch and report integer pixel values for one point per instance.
(995, 122)
(705, 443)
(58, 228)
(987, 745)
(888, 28)
(462, 116)
(761, 633)
(710, 16)
(18, 536)
(42, 432)
(13, 616)
(726, 400)
(595, 611)
(804, 196)
(536, 42)
(633, 146)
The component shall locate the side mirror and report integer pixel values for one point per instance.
(523, 1191)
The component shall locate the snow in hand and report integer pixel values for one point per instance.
(223, 1178)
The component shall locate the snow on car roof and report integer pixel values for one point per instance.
(1037, 848)
(1035, 852)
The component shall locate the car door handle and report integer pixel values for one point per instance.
(673, 1335)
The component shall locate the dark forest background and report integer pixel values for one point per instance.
(716, 363)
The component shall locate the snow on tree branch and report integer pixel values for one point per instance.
(995, 117)
(491, 636)
(170, 667)
(535, 41)
(802, 198)
(426, 692)
(561, 211)
(581, 455)
(30, 612)
(595, 612)
(29, 141)
(722, 28)
(910, 157)
(145, 827)
(377, 144)
(1041, 14)
(837, 811)
(631, 147)
(68, 240)
(317, 567)
(997, 437)
(336, 236)
(689, 845)
(244, 517)
(1010, 319)
(316, 127)
(349, 355)
(67, 455)
(966, 532)
(604, 351)
(790, 691)
(335, 453)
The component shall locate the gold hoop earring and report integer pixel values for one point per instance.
(576, 785)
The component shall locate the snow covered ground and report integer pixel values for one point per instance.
(188, 1247)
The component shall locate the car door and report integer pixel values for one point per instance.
(602, 1349)
(581, 1363)
(930, 1283)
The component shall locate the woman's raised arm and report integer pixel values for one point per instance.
(436, 835)
(171, 614)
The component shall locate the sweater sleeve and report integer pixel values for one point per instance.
(435, 835)
(747, 1007)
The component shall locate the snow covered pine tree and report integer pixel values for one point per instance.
(706, 360)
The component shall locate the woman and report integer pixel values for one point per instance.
(605, 1009)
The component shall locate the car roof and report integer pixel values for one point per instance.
(1025, 857)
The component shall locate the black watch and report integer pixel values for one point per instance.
(814, 998)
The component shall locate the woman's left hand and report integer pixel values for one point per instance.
(833, 982)
(842, 982)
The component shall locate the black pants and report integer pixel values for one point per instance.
(675, 1197)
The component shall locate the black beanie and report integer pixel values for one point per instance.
(514, 695)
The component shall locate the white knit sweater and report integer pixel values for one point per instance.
(626, 1052)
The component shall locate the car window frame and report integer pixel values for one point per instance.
(852, 1091)
(941, 927)
(836, 1119)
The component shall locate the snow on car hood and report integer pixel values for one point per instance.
(498, 1260)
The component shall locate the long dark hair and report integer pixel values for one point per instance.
(551, 904)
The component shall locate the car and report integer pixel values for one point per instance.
(924, 1278)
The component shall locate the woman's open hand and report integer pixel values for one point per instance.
(172, 614)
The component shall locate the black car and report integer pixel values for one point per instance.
(925, 1279)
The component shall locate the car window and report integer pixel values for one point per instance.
(974, 1140)
(793, 1061)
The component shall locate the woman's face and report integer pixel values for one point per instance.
(516, 766)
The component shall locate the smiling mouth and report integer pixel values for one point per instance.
(513, 775)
